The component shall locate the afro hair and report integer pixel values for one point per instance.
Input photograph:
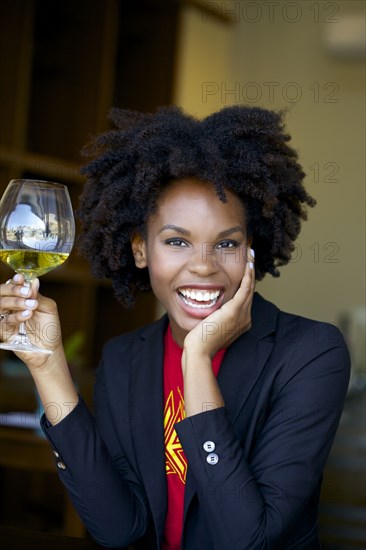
(243, 149)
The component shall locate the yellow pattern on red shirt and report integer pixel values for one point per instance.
(175, 461)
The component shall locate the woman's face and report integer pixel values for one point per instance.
(195, 251)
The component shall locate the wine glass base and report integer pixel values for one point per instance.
(17, 345)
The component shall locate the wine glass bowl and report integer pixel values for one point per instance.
(37, 232)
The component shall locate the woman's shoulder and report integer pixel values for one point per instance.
(295, 328)
(305, 348)
(125, 341)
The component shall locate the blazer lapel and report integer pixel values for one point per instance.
(244, 360)
(242, 365)
(146, 398)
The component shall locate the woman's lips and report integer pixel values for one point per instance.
(200, 302)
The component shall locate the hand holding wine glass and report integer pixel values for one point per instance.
(37, 233)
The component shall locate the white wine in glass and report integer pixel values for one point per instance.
(37, 232)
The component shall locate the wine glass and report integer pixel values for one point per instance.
(37, 232)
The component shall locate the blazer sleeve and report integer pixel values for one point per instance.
(102, 486)
(254, 501)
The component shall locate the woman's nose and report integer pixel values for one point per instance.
(203, 261)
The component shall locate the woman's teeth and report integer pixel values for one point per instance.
(209, 298)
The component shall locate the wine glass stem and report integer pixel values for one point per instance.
(22, 333)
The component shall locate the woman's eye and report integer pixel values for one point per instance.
(175, 242)
(228, 244)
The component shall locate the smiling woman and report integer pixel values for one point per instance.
(211, 429)
(239, 149)
(194, 268)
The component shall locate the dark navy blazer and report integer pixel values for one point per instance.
(284, 383)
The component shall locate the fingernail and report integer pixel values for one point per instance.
(36, 282)
(25, 313)
(252, 252)
(24, 291)
(30, 303)
(17, 278)
(251, 265)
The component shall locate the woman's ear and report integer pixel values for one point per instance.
(138, 245)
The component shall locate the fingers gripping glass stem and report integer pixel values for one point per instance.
(21, 342)
(37, 231)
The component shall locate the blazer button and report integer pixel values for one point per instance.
(212, 458)
(209, 446)
(56, 454)
(61, 465)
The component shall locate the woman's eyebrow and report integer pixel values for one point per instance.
(232, 230)
(174, 228)
(220, 235)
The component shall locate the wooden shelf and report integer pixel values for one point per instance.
(47, 167)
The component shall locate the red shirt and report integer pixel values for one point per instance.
(175, 460)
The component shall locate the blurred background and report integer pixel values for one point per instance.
(63, 64)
